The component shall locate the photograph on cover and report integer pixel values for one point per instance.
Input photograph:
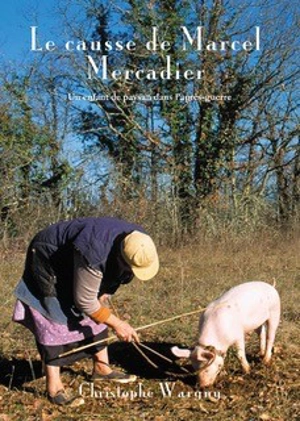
(150, 208)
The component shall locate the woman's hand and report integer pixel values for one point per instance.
(125, 332)
(123, 329)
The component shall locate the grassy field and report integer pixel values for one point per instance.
(190, 277)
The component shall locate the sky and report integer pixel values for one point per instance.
(16, 17)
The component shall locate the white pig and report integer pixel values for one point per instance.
(242, 309)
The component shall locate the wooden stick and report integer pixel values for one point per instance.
(141, 345)
(138, 329)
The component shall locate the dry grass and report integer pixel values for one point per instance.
(190, 277)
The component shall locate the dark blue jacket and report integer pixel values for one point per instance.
(47, 282)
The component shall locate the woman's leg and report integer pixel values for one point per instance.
(101, 362)
(52, 372)
(53, 379)
(102, 369)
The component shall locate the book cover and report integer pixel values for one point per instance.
(183, 117)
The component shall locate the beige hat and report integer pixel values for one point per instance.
(140, 254)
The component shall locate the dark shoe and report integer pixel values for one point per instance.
(61, 398)
(115, 376)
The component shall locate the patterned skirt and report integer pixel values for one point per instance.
(54, 339)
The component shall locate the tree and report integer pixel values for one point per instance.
(34, 173)
(162, 146)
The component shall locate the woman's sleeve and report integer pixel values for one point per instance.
(86, 285)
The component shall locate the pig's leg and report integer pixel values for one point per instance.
(261, 331)
(272, 325)
(241, 354)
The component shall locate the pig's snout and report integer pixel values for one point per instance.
(204, 383)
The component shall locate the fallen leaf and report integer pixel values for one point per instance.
(265, 417)
(5, 417)
(203, 409)
(77, 402)
(213, 399)
(37, 403)
(234, 398)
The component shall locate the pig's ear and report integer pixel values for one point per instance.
(205, 356)
(181, 353)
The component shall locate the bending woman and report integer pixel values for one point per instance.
(71, 268)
